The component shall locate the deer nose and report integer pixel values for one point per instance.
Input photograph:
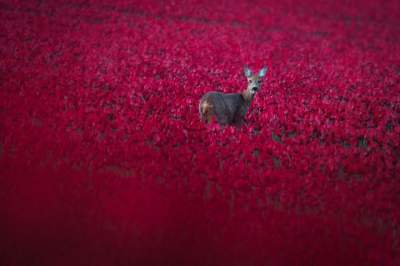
(255, 88)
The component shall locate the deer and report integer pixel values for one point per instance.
(231, 108)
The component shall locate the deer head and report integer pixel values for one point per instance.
(254, 81)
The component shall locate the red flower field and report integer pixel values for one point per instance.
(104, 160)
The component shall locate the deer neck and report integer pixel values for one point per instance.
(247, 96)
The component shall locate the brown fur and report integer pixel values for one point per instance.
(206, 110)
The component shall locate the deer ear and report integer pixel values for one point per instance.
(262, 72)
(247, 72)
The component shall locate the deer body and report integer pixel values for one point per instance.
(227, 108)
(230, 108)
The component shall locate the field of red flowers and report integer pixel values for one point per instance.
(104, 161)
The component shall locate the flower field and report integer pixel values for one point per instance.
(104, 160)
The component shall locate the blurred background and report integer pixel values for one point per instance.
(104, 161)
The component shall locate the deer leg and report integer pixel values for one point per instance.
(238, 119)
(222, 119)
(209, 118)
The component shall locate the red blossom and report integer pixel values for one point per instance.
(104, 160)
